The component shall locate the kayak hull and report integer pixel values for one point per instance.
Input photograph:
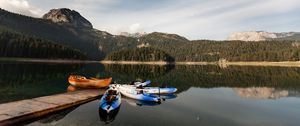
(135, 103)
(152, 90)
(108, 117)
(110, 102)
(132, 93)
(89, 83)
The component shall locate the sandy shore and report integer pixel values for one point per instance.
(223, 64)
(136, 62)
(283, 63)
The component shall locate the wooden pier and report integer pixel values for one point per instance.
(21, 111)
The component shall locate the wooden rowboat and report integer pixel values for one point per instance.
(83, 82)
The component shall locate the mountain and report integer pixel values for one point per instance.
(263, 36)
(67, 16)
(91, 42)
(164, 37)
(97, 45)
(94, 43)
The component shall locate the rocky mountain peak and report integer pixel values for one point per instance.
(260, 35)
(65, 15)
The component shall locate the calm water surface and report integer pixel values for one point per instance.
(207, 95)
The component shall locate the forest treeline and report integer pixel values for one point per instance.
(140, 54)
(207, 50)
(13, 44)
(98, 44)
(209, 76)
(182, 49)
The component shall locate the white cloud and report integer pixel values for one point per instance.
(134, 28)
(21, 7)
(194, 19)
(216, 19)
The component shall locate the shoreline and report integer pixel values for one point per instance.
(221, 64)
(136, 62)
(263, 63)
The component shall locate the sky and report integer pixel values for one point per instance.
(193, 19)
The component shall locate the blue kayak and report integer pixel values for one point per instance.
(152, 90)
(139, 95)
(136, 103)
(110, 100)
(108, 117)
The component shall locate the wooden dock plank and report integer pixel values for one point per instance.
(19, 111)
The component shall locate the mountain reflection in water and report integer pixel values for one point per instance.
(28, 80)
(261, 93)
(207, 95)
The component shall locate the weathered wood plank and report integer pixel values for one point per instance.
(20, 111)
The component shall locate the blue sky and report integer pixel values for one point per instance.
(194, 19)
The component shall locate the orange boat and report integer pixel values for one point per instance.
(83, 82)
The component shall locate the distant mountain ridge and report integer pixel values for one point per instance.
(134, 35)
(263, 36)
(94, 43)
(85, 39)
(97, 45)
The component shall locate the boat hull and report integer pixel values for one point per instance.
(90, 83)
(110, 105)
(152, 90)
(108, 117)
(132, 93)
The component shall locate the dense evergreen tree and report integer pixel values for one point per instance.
(207, 50)
(140, 54)
(186, 76)
(16, 45)
(98, 44)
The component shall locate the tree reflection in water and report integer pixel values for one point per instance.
(108, 117)
(209, 76)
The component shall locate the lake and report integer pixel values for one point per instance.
(207, 94)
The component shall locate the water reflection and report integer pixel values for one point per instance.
(168, 96)
(208, 76)
(265, 93)
(135, 103)
(108, 117)
(72, 88)
(207, 95)
(28, 80)
(128, 73)
(54, 118)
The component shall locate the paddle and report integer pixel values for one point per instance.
(159, 92)
(159, 95)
